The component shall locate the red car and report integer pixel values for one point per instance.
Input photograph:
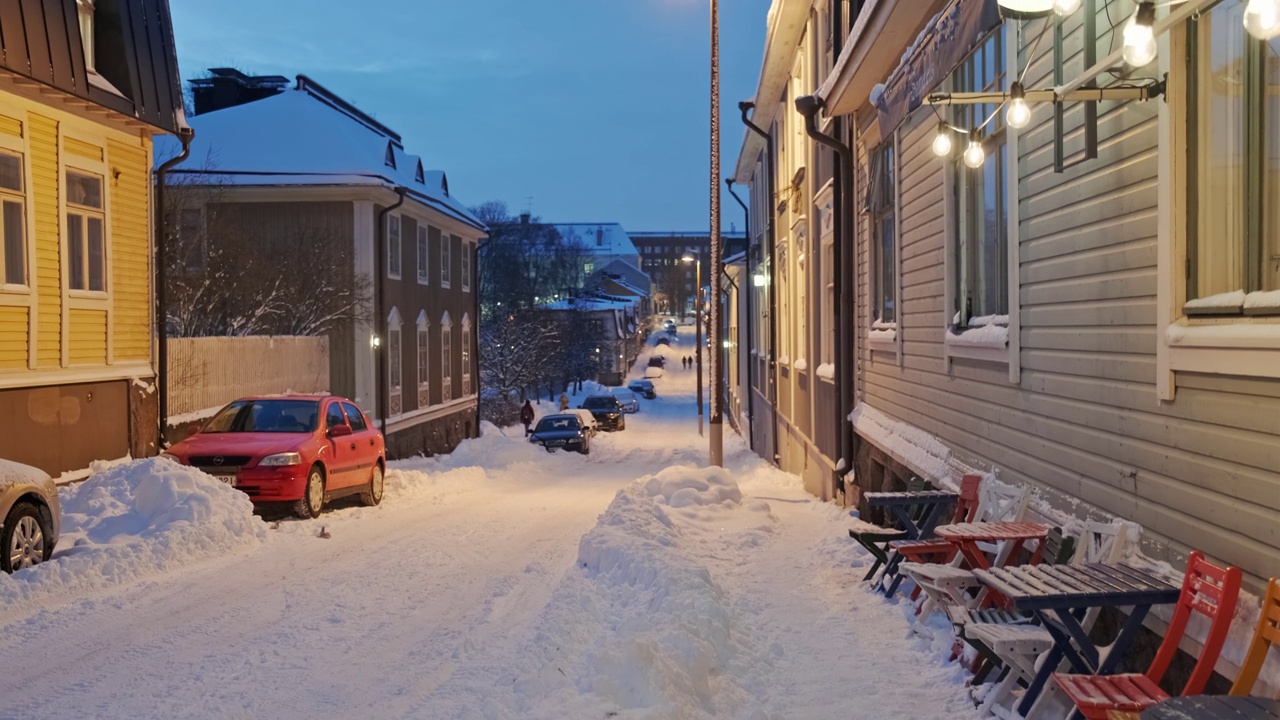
(301, 449)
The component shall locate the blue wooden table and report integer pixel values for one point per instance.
(1061, 595)
(934, 502)
(1214, 707)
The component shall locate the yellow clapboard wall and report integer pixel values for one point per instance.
(45, 188)
(130, 252)
(14, 331)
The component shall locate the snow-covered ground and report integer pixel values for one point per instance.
(497, 582)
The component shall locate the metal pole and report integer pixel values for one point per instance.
(697, 335)
(716, 421)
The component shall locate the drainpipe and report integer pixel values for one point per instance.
(746, 224)
(185, 136)
(380, 317)
(808, 106)
(745, 107)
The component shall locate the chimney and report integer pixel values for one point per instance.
(228, 87)
(524, 219)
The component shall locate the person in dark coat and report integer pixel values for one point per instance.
(526, 416)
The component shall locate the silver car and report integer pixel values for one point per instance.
(627, 399)
(31, 515)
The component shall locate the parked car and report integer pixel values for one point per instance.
(564, 431)
(588, 420)
(658, 361)
(627, 399)
(300, 449)
(653, 372)
(662, 340)
(31, 515)
(643, 388)
(608, 411)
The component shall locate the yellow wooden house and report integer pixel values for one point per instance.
(84, 85)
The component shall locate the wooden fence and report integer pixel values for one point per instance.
(210, 372)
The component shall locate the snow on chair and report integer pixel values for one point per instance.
(1206, 589)
(1266, 635)
(1009, 638)
(948, 583)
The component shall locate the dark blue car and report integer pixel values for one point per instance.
(561, 432)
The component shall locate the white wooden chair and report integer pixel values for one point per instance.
(1018, 643)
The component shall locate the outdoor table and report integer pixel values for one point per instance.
(1060, 595)
(900, 503)
(966, 537)
(1213, 707)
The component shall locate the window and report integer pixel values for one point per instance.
(881, 196)
(394, 359)
(1233, 103)
(85, 11)
(86, 243)
(446, 243)
(393, 247)
(466, 355)
(466, 267)
(980, 267)
(13, 213)
(424, 360)
(446, 359)
(423, 277)
(355, 417)
(333, 416)
(191, 240)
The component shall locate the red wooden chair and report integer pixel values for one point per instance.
(1207, 589)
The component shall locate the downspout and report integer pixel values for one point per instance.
(746, 107)
(380, 317)
(746, 224)
(808, 106)
(185, 136)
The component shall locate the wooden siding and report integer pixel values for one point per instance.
(88, 341)
(1084, 422)
(45, 178)
(131, 284)
(210, 372)
(10, 126)
(15, 327)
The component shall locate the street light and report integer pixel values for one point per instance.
(697, 328)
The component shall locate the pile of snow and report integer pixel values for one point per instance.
(641, 629)
(130, 521)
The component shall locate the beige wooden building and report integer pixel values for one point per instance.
(1091, 308)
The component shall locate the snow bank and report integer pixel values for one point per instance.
(130, 521)
(910, 445)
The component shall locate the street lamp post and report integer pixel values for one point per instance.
(716, 454)
(697, 327)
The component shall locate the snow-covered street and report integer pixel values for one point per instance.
(497, 582)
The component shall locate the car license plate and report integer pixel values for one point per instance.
(555, 443)
(228, 478)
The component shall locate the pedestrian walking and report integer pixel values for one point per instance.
(526, 416)
(564, 402)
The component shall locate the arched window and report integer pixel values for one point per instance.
(446, 358)
(466, 355)
(394, 359)
(424, 360)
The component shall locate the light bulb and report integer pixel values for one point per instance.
(974, 155)
(942, 141)
(1262, 18)
(1018, 114)
(1065, 7)
(1139, 38)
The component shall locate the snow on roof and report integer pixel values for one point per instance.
(592, 303)
(599, 238)
(302, 137)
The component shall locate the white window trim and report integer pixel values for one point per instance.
(446, 360)
(1008, 355)
(887, 339)
(395, 392)
(84, 299)
(1244, 346)
(28, 295)
(446, 260)
(24, 291)
(422, 245)
(468, 255)
(466, 355)
(823, 201)
(423, 326)
(399, 241)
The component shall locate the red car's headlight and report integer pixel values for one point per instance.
(281, 460)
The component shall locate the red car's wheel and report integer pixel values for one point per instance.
(373, 495)
(312, 501)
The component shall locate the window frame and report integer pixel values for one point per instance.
(1002, 157)
(395, 246)
(395, 364)
(466, 354)
(446, 359)
(465, 271)
(424, 359)
(882, 204)
(423, 244)
(8, 195)
(86, 214)
(446, 259)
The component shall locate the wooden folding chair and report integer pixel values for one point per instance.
(933, 548)
(1266, 634)
(1208, 590)
(876, 538)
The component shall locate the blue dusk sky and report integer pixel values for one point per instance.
(581, 110)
